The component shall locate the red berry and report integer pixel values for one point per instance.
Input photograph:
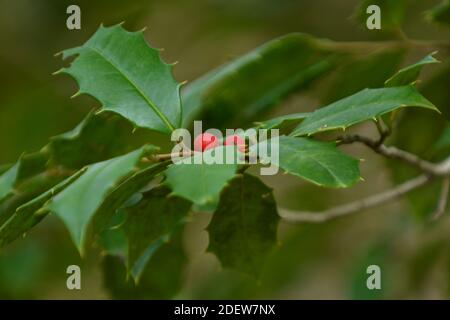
(236, 141)
(205, 141)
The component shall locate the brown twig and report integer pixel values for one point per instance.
(443, 199)
(430, 170)
(395, 153)
(353, 207)
(166, 156)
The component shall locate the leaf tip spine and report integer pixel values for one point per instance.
(62, 70)
(76, 94)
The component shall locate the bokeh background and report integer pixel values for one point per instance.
(312, 261)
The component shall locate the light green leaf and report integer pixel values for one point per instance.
(278, 122)
(77, 204)
(155, 217)
(243, 230)
(200, 183)
(245, 88)
(410, 74)
(364, 105)
(128, 77)
(318, 162)
(441, 13)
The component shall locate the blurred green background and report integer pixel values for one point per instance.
(321, 261)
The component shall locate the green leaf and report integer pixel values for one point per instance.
(96, 138)
(7, 181)
(364, 105)
(124, 192)
(392, 12)
(156, 216)
(435, 89)
(410, 74)
(112, 238)
(77, 204)
(318, 162)
(239, 91)
(128, 77)
(162, 277)
(441, 13)
(243, 230)
(352, 76)
(200, 183)
(27, 166)
(444, 140)
(278, 122)
(29, 214)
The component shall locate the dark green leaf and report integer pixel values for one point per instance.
(243, 229)
(156, 216)
(364, 105)
(245, 88)
(161, 279)
(441, 13)
(96, 138)
(128, 77)
(122, 194)
(352, 76)
(435, 89)
(444, 140)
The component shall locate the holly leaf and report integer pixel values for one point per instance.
(155, 217)
(443, 143)
(96, 138)
(201, 183)
(317, 162)
(243, 229)
(29, 214)
(440, 13)
(128, 77)
(279, 122)
(28, 165)
(77, 204)
(351, 76)
(162, 277)
(410, 74)
(7, 181)
(125, 191)
(364, 105)
(239, 91)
